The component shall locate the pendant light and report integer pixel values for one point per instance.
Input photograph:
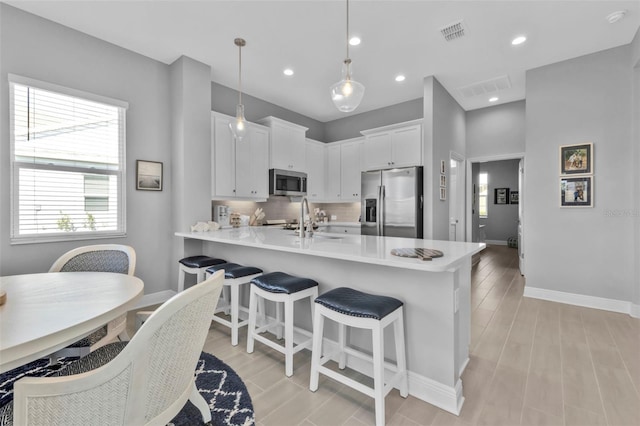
(347, 93)
(239, 125)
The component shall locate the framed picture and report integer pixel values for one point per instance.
(442, 163)
(443, 194)
(443, 181)
(576, 159)
(148, 175)
(576, 191)
(501, 196)
(514, 197)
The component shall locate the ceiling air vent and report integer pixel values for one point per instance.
(453, 31)
(485, 87)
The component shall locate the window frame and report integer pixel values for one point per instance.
(16, 166)
(486, 196)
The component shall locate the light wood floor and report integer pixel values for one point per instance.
(532, 363)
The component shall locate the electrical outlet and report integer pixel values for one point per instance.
(334, 217)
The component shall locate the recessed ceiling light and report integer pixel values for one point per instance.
(493, 99)
(616, 16)
(400, 78)
(288, 72)
(354, 41)
(518, 40)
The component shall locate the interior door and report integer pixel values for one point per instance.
(456, 188)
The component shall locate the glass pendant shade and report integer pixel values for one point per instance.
(347, 93)
(239, 125)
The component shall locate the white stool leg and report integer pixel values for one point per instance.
(378, 373)
(288, 337)
(262, 311)
(181, 275)
(227, 298)
(234, 301)
(279, 320)
(342, 342)
(316, 352)
(200, 275)
(253, 304)
(398, 331)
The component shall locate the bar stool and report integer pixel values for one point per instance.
(349, 307)
(234, 276)
(286, 289)
(196, 265)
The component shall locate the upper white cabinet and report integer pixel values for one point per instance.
(240, 169)
(343, 170)
(398, 145)
(288, 147)
(316, 160)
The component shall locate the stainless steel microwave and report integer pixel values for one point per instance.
(287, 182)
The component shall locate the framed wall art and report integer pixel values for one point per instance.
(501, 196)
(514, 197)
(576, 159)
(576, 191)
(148, 175)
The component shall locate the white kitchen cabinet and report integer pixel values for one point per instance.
(351, 167)
(315, 159)
(398, 145)
(343, 170)
(288, 147)
(240, 169)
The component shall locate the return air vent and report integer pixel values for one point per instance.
(453, 31)
(485, 87)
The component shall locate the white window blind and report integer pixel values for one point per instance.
(68, 163)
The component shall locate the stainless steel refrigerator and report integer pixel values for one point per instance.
(392, 202)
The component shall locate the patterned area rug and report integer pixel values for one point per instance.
(220, 386)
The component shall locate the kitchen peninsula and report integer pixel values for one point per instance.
(436, 293)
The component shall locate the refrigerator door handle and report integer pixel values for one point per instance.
(381, 218)
(421, 202)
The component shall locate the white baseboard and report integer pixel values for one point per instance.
(496, 242)
(602, 303)
(156, 298)
(635, 311)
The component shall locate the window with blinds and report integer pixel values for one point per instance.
(68, 163)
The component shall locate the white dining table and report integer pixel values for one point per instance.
(46, 312)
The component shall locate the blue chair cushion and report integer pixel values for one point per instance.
(200, 261)
(358, 304)
(279, 282)
(233, 270)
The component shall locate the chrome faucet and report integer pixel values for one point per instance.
(309, 230)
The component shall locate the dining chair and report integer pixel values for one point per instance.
(97, 258)
(145, 381)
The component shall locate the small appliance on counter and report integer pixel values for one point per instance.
(221, 215)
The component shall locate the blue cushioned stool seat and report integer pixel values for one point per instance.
(233, 270)
(358, 304)
(200, 261)
(279, 282)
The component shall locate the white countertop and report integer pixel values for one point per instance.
(355, 248)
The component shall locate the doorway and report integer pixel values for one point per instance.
(516, 190)
(456, 197)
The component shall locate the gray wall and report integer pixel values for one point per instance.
(586, 251)
(443, 132)
(43, 50)
(502, 219)
(225, 99)
(350, 127)
(496, 130)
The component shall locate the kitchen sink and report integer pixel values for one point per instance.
(322, 236)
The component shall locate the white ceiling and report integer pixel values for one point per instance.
(309, 36)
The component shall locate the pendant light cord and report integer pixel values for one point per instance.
(239, 74)
(347, 29)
